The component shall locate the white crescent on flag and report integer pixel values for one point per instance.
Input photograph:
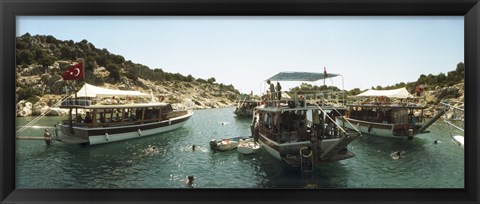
(78, 72)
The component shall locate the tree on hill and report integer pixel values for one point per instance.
(46, 50)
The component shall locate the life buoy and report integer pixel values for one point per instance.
(305, 155)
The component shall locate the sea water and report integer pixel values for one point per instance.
(135, 164)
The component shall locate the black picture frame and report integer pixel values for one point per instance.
(470, 9)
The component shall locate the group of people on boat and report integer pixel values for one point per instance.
(116, 117)
(379, 115)
(274, 94)
(296, 121)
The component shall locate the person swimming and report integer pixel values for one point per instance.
(189, 181)
(396, 155)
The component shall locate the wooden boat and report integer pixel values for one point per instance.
(248, 146)
(302, 123)
(385, 117)
(455, 116)
(245, 107)
(120, 115)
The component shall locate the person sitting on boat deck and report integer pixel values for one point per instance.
(116, 118)
(114, 100)
(88, 118)
(102, 118)
(78, 118)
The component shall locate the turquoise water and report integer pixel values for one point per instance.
(128, 164)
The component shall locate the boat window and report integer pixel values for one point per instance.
(400, 116)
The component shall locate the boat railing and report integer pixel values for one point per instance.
(270, 134)
(455, 106)
(334, 121)
(304, 98)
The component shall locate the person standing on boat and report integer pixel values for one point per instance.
(102, 118)
(279, 91)
(88, 118)
(79, 118)
(272, 90)
(47, 137)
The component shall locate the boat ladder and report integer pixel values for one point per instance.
(306, 161)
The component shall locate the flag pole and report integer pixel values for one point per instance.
(84, 79)
(324, 75)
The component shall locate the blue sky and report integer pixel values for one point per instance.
(244, 51)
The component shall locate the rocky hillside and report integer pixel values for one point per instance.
(41, 61)
(433, 97)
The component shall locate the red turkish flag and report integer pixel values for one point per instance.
(74, 73)
(325, 71)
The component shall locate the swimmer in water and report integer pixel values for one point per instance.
(396, 155)
(189, 181)
(193, 147)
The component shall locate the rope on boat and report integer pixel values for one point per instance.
(335, 122)
(29, 124)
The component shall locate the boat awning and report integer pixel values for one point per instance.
(301, 76)
(395, 93)
(89, 90)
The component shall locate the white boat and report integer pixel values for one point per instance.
(248, 146)
(223, 144)
(107, 115)
(453, 118)
(304, 122)
(378, 115)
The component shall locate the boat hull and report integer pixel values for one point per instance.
(223, 145)
(375, 129)
(278, 150)
(101, 135)
(243, 112)
(248, 146)
(458, 139)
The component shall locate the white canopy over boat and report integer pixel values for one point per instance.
(89, 90)
(395, 93)
(301, 76)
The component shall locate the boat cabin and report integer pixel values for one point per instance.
(117, 115)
